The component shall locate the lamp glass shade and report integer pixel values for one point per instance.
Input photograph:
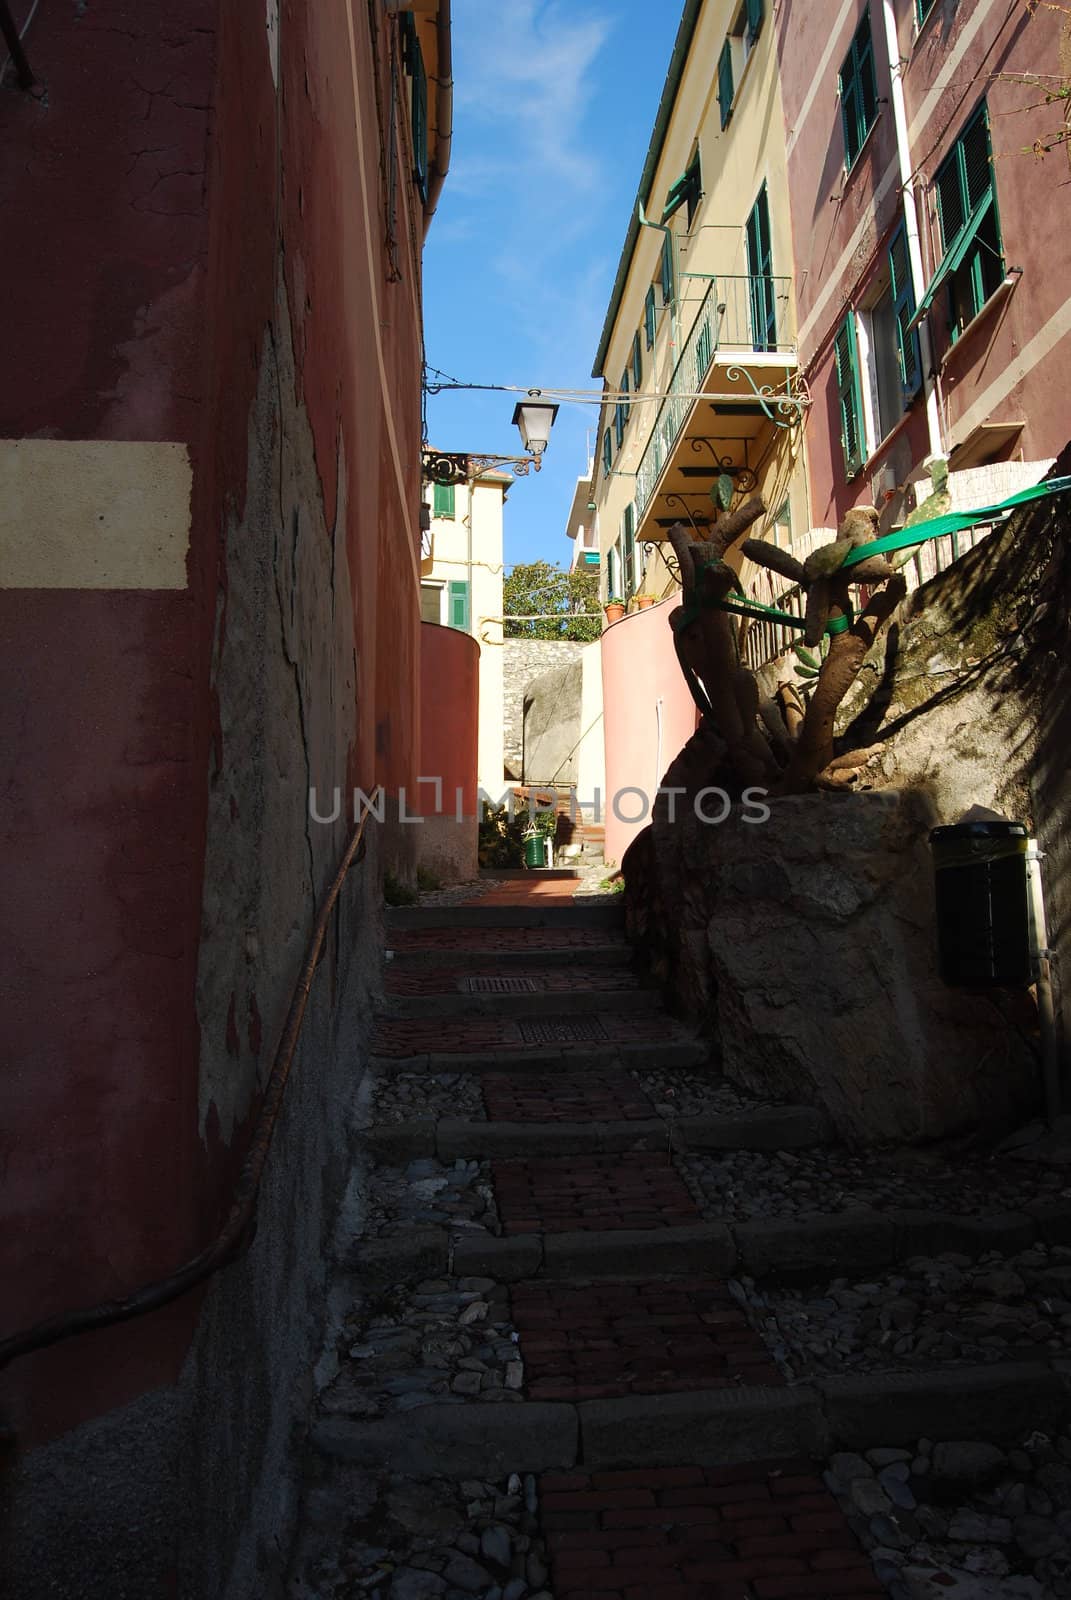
(534, 419)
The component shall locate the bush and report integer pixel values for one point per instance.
(501, 837)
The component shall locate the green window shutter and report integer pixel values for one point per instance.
(760, 268)
(704, 352)
(628, 547)
(755, 9)
(649, 318)
(922, 10)
(686, 191)
(667, 270)
(459, 605)
(858, 91)
(977, 158)
(903, 294)
(951, 205)
(611, 574)
(725, 83)
(848, 391)
(413, 62)
(625, 406)
(442, 500)
(637, 364)
(972, 262)
(607, 451)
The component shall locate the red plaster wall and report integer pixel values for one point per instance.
(828, 205)
(150, 185)
(639, 668)
(449, 716)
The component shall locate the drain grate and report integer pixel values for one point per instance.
(561, 1031)
(501, 985)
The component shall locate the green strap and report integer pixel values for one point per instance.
(954, 522)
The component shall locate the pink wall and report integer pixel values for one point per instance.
(642, 687)
(449, 716)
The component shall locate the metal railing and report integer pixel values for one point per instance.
(765, 641)
(740, 314)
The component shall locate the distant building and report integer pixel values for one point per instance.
(582, 528)
(461, 587)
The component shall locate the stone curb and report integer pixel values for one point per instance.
(571, 915)
(807, 1251)
(583, 1055)
(709, 1427)
(537, 1003)
(789, 1128)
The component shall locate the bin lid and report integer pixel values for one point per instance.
(979, 830)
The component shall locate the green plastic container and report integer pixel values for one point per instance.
(983, 905)
(534, 852)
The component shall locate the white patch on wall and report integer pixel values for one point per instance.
(94, 514)
(273, 39)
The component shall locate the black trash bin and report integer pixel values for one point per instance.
(983, 906)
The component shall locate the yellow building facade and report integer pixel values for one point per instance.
(698, 351)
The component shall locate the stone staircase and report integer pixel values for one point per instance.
(556, 1334)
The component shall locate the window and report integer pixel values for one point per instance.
(972, 263)
(849, 396)
(621, 411)
(613, 573)
(890, 368)
(628, 548)
(413, 61)
(607, 451)
(431, 602)
(442, 500)
(649, 318)
(858, 91)
(637, 364)
(763, 303)
(725, 83)
(781, 529)
(667, 270)
(687, 190)
(458, 616)
(753, 10)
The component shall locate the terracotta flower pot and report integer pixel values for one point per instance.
(644, 602)
(614, 612)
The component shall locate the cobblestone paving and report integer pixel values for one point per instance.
(414, 1036)
(590, 1193)
(399, 1097)
(948, 1310)
(679, 1092)
(595, 1339)
(759, 1532)
(744, 1184)
(430, 1193)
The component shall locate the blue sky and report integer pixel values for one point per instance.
(553, 110)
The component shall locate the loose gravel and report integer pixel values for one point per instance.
(963, 1519)
(745, 1185)
(448, 1340)
(680, 1093)
(428, 1193)
(404, 1096)
(440, 1540)
(947, 1310)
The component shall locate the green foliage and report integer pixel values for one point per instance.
(426, 879)
(535, 587)
(501, 837)
(397, 893)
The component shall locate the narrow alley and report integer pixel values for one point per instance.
(586, 1344)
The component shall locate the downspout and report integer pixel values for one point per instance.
(444, 113)
(911, 229)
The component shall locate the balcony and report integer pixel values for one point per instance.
(742, 347)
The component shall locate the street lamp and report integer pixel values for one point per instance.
(534, 419)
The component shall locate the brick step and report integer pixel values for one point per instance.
(528, 1004)
(499, 1038)
(467, 950)
(682, 1050)
(475, 979)
(452, 1139)
(565, 917)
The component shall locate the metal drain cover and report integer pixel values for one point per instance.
(501, 985)
(561, 1031)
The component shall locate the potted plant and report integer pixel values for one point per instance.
(643, 601)
(614, 608)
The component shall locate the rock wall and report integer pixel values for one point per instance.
(523, 661)
(807, 942)
(552, 726)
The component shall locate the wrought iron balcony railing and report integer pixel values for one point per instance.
(742, 315)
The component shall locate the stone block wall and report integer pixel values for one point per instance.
(524, 660)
